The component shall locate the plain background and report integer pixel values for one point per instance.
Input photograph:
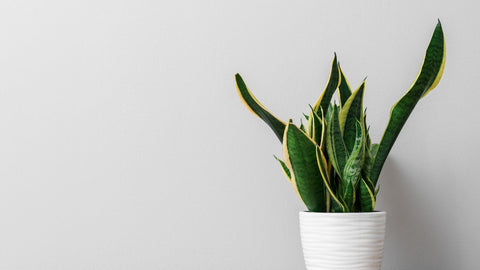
(123, 144)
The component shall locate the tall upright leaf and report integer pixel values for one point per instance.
(374, 149)
(427, 79)
(334, 80)
(337, 152)
(254, 106)
(344, 89)
(368, 141)
(368, 162)
(350, 113)
(316, 127)
(333, 203)
(300, 151)
(353, 167)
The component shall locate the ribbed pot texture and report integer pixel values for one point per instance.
(347, 241)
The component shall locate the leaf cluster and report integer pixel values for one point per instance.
(331, 162)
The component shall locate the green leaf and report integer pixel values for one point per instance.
(353, 167)
(302, 127)
(368, 141)
(316, 127)
(368, 162)
(374, 149)
(350, 113)
(427, 79)
(336, 150)
(285, 169)
(329, 112)
(300, 152)
(367, 197)
(254, 106)
(345, 91)
(336, 205)
(332, 85)
(369, 156)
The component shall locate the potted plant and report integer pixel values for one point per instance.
(334, 167)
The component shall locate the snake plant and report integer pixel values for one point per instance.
(331, 163)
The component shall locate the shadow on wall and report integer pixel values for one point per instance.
(419, 235)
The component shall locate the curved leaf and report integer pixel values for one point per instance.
(254, 106)
(285, 169)
(301, 153)
(368, 162)
(302, 127)
(427, 79)
(367, 197)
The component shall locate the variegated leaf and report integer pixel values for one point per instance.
(300, 151)
(285, 169)
(350, 113)
(336, 149)
(254, 106)
(334, 80)
(427, 79)
(333, 203)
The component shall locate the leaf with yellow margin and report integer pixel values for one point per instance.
(427, 79)
(300, 151)
(254, 106)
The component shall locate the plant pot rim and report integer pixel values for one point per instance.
(376, 212)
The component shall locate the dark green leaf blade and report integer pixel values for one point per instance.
(332, 85)
(350, 113)
(300, 151)
(367, 197)
(344, 89)
(316, 127)
(335, 204)
(336, 149)
(427, 79)
(252, 104)
(285, 169)
(353, 167)
(302, 127)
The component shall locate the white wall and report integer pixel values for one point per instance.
(123, 144)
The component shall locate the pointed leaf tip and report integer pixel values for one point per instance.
(255, 107)
(427, 79)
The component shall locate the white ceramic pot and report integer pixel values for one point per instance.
(347, 241)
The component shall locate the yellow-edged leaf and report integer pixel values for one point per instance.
(285, 169)
(334, 80)
(427, 79)
(344, 89)
(300, 151)
(333, 203)
(255, 107)
(367, 197)
(350, 113)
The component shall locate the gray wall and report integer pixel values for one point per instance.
(123, 144)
